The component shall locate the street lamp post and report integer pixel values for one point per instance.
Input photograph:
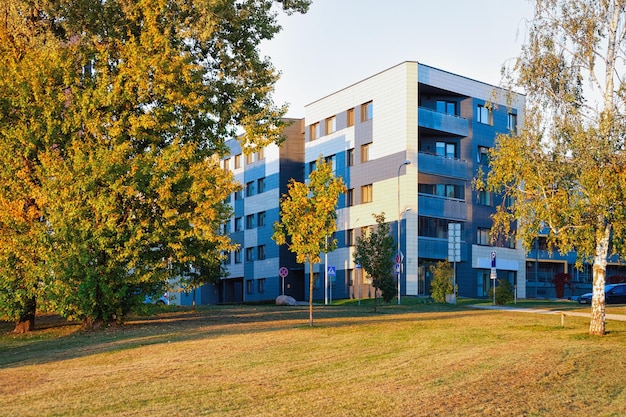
(399, 256)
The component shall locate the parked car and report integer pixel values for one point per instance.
(162, 300)
(613, 293)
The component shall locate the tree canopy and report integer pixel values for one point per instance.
(113, 117)
(308, 218)
(564, 171)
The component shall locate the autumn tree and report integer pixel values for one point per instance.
(308, 218)
(565, 169)
(374, 251)
(113, 117)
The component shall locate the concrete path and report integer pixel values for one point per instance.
(616, 317)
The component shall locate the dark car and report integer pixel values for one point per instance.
(613, 293)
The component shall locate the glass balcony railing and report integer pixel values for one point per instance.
(442, 122)
(449, 208)
(439, 165)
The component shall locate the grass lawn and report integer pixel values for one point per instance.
(416, 359)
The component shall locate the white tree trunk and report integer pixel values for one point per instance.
(597, 324)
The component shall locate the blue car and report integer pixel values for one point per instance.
(161, 301)
(613, 294)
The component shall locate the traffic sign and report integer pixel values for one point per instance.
(398, 268)
(283, 272)
(332, 271)
(357, 266)
(493, 258)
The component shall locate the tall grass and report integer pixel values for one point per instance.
(412, 360)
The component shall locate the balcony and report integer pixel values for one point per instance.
(442, 122)
(449, 208)
(439, 165)
(433, 248)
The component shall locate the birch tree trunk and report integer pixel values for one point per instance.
(597, 325)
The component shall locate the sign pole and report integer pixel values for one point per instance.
(326, 274)
(283, 272)
(494, 275)
(358, 281)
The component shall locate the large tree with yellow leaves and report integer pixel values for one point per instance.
(113, 116)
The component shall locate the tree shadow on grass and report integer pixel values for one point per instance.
(57, 340)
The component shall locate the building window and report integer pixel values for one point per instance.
(238, 224)
(350, 197)
(238, 161)
(261, 252)
(332, 161)
(260, 185)
(249, 158)
(504, 241)
(366, 230)
(314, 131)
(249, 254)
(331, 125)
(484, 115)
(316, 280)
(350, 277)
(350, 117)
(238, 195)
(445, 149)
(238, 256)
(350, 237)
(433, 227)
(511, 122)
(485, 198)
(367, 111)
(250, 221)
(227, 227)
(227, 258)
(447, 107)
(483, 155)
(367, 193)
(312, 166)
(482, 237)
(250, 286)
(227, 164)
(261, 219)
(365, 152)
(350, 157)
(443, 190)
(261, 285)
(260, 154)
(250, 189)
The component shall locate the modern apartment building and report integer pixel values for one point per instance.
(407, 141)
(443, 124)
(254, 268)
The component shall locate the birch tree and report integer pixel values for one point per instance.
(308, 218)
(565, 169)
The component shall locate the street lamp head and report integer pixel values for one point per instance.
(406, 162)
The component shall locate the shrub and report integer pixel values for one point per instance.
(504, 292)
(442, 281)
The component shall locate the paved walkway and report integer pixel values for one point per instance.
(616, 317)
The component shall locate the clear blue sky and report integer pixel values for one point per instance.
(340, 42)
